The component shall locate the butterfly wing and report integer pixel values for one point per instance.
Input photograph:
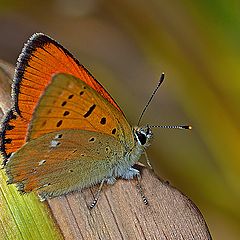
(76, 138)
(69, 103)
(41, 58)
(63, 161)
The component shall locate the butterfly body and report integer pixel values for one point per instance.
(65, 132)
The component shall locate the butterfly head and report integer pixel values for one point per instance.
(143, 135)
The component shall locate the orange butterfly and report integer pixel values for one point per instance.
(65, 132)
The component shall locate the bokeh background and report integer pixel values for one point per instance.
(126, 44)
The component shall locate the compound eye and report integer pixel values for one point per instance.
(141, 137)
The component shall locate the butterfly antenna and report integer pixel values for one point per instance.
(150, 99)
(188, 127)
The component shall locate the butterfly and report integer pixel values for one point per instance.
(64, 131)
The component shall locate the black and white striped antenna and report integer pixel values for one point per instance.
(149, 101)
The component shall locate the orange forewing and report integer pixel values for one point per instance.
(41, 58)
(69, 103)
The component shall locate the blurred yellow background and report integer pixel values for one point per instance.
(126, 44)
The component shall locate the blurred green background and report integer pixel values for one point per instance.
(126, 44)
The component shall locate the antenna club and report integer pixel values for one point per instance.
(187, 127)
(161, 78)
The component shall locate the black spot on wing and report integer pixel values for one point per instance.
(103, 121)
(90, 110)
(59, 123)
(64, 103)
(92, 139)
(66, 113)
(59, 136)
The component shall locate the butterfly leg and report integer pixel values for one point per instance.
(139, 186)
(130, 174)
(147, 159)
(93, 204)
(109, 180)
